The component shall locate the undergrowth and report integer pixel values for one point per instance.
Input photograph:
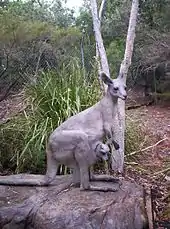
(135, 137)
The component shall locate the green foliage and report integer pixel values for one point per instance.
(54, 98)
(84, 21)
(14, 29)
(67, 40)
(28, 47)
(62, 16)
(115, 20)
(155, 14)
(85, 24)
(115, 53)
(54, 13)
(15, 26)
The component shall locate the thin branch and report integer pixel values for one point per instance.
(101, 10)
(162, 171)
(131, 163)
(39, 3)
(149, 147)
(98, 38)
(129, 41)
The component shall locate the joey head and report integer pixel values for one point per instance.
(102, 151)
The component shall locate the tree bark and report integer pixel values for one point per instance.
(98, 38)
(101, 11)
(119, 119)
(129, 41)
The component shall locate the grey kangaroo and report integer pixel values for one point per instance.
(81, 132)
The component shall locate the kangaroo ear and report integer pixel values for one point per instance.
(105, 78)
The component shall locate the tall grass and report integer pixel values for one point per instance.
(55, 97)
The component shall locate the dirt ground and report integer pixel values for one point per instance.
(150, 166)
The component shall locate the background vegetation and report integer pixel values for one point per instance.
(47, 52)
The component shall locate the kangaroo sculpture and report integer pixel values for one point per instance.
(79, 134)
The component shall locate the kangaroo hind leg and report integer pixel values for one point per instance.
(76, 176)
(52, 167)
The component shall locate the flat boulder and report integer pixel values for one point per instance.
(61, 206)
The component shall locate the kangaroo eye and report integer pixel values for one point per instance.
(115, 88)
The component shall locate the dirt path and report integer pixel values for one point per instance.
(155, 120)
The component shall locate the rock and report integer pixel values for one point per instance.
(60, 206)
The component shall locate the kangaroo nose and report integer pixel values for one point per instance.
(125, 96)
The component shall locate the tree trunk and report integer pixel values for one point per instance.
(119, 122)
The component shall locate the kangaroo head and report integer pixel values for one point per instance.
(102, 151)
(116, 87)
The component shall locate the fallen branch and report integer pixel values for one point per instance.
(139, 105)
(149, 147)
(131, 163)
(162, 171)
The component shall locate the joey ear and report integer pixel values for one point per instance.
(98, 147)
(105, 78)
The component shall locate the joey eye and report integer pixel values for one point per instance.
(115, 88)
(103, 153)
